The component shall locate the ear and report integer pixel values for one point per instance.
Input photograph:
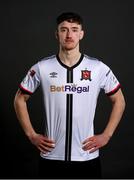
(56, 34)
(81, 34)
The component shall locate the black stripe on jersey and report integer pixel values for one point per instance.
(69, 76)
(69, 108)
(69, 116)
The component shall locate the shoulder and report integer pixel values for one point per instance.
(92, 60)
(47, 60)
(40, 63)
(97, 63)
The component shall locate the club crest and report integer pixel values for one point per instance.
(86, 75)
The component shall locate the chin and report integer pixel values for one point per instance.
(69, 47)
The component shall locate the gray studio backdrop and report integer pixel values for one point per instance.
(27, 35)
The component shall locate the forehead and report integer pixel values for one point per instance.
(69, 25)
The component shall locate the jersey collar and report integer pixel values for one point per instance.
(72, 67)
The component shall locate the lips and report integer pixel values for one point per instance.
(69, 41)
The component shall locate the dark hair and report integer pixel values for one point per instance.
(70, 17)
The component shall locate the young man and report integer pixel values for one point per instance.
(71, 82)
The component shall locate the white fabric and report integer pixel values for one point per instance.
(52, 76)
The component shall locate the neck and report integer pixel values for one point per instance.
(70, 57)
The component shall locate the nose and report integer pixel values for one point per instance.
(68, 33)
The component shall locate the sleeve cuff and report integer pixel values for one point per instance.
(25, 91)
(114, 90)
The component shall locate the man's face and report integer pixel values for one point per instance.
(69, 35)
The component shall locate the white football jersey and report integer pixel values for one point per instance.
(70, 97)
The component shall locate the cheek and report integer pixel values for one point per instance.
(61, 36)
(61, 40)
(77, 37)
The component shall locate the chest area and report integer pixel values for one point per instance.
(77, 80)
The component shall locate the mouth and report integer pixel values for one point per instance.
(69, 41)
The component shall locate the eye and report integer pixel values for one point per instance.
(75, 30)
(63, 30)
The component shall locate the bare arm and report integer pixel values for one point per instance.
(118, 103)
(98, 141)
(20, 104)
(22, 113)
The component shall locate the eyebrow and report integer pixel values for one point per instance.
(64, 27)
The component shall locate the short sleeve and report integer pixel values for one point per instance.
(31, 81)
(108, 80)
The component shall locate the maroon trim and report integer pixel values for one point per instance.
(25, 90)
(114, 90)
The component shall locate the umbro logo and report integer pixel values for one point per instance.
(53, 75)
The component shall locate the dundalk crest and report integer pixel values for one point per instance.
(86, 75)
